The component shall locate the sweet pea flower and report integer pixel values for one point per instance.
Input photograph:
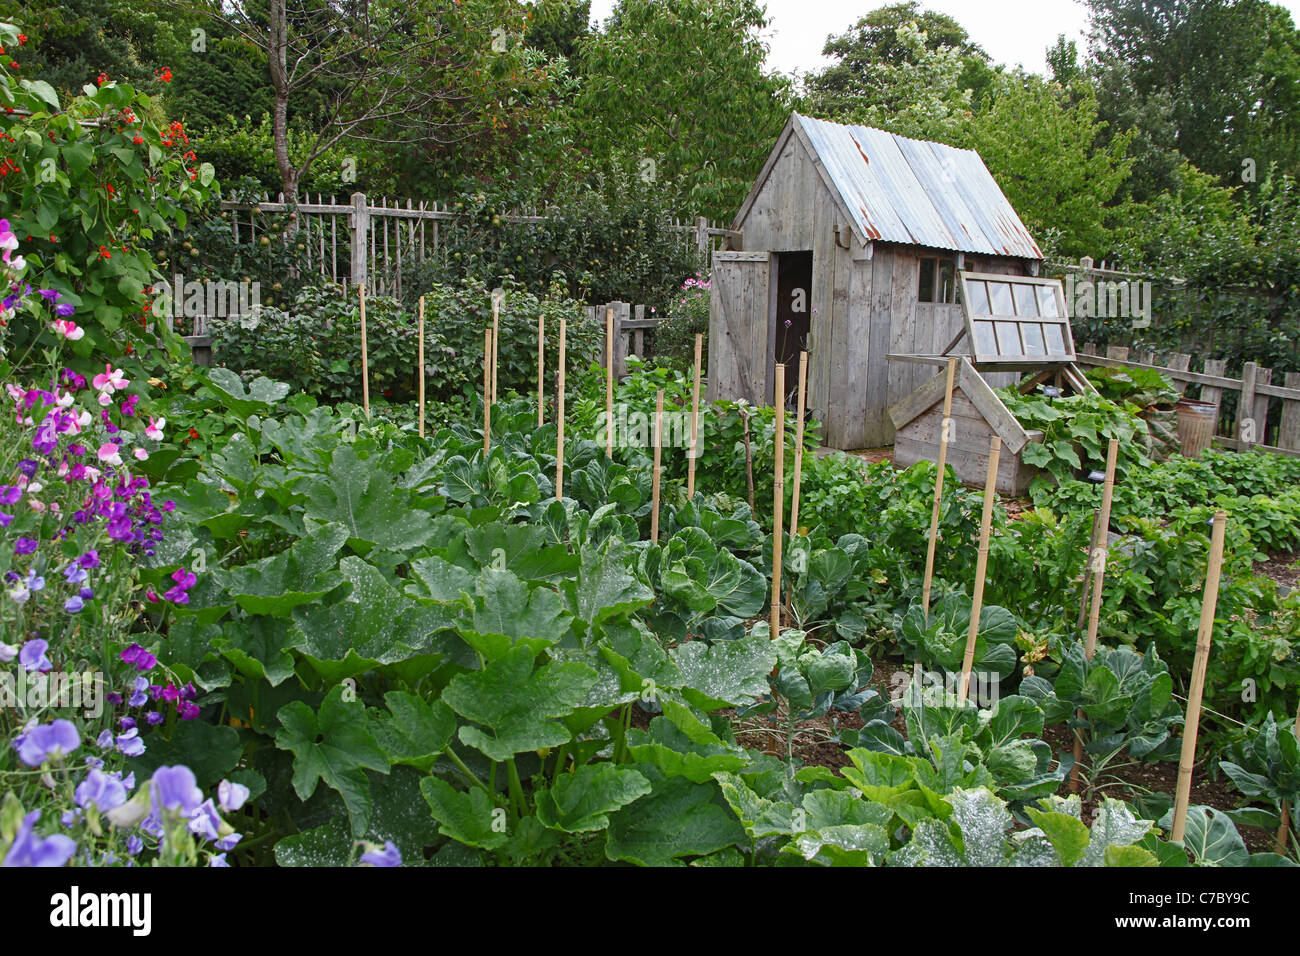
(32, 656)
(130, 743)
(174, 788)
(7, 652)
(110, 379)
(140, 454)
(154, 429)
(101, 789)
(108, 453)
(28, 849)
(388, 856)
(48, 740)
(231, 796)
(69, 329)
(205, 821)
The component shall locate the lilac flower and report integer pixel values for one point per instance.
(174, 788)
(32, 656)
(229, 842)
(231, 796)
(73, 605)
(75, 573)
(48, 740)
(34, 583)
(153, 718)
(25, 546)
(134, 844)
(388, 856)
(130, 743)
(205, 821)
(219, 861)
(28, 849)
(104, 740)
(104, 791)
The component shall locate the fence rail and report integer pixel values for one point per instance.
(360, 241)
(1265, 415)
(631, 322)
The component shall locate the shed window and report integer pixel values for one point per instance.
(938, 281)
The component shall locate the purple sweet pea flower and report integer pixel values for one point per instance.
(10, 494)
(73, 605)
(90, 559)
(219, 861)
(64, 309)
(32, 656)
(206, 822)
(103, 791)
(25, 546)
(153, 718)
(7, 652)
(48, 740)
(142, 659)
(388, 856)
(134, 844)
(104, 740)
(229, 842)
(5, 518)
(139, 692)
(174, 788)
(75, 573)
(231, 796)
(186, 710)
(28, 849)
(130, 743)
(50, 295)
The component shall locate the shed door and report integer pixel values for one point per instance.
(739, 326)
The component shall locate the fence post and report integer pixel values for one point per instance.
(1288, 433)
(1248, 434)
(702, 236)
(360, 229)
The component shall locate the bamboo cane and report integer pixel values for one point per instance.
(496, 339)
(421, 363)
(749, 457)
(1097, 567)
(609, 383)
(658, 469)
(1284, 829)
(945, 436)
(559, 415)
(798, 444)
(1197, 687)
(778, 500)
(365, 356)
(695, 421)
(1087, 578)
(487, 391)
(981, 567)
(541, 361)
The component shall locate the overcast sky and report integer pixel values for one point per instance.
(1012, 31)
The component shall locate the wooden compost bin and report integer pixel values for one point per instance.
(977, 415)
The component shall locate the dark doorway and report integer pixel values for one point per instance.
(793, 315)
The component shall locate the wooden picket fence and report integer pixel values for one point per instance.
(631, 322)
(360, 241)
(1266, 414)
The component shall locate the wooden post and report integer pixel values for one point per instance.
(1097, 569)
(1097, 560)
(360, 239)
(541, 361)
(778, 500)
(798, 444)
(1197, 688)
(695, 421)
(945, 436)
(658, 469)
(487, 391)
(559, 415)
(981, 567)
(1284, 829)
(420, 355)
(609, 383)
(365, 357)
(496, 338)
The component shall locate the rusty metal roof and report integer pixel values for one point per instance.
(917, 192)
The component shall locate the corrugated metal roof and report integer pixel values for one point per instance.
(916, 192)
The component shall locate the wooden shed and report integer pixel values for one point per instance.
(850, 244)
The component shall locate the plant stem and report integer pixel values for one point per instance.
(460, 765)
(516, 789)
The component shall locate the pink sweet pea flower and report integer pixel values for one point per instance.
(108, 454)
(155, 428)
(71, 331)
(140, 454)
(110, 378)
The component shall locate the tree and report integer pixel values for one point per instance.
(1043, 150)
(1228, 69)
(882, 49)
(683, 86)
(423, 75)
